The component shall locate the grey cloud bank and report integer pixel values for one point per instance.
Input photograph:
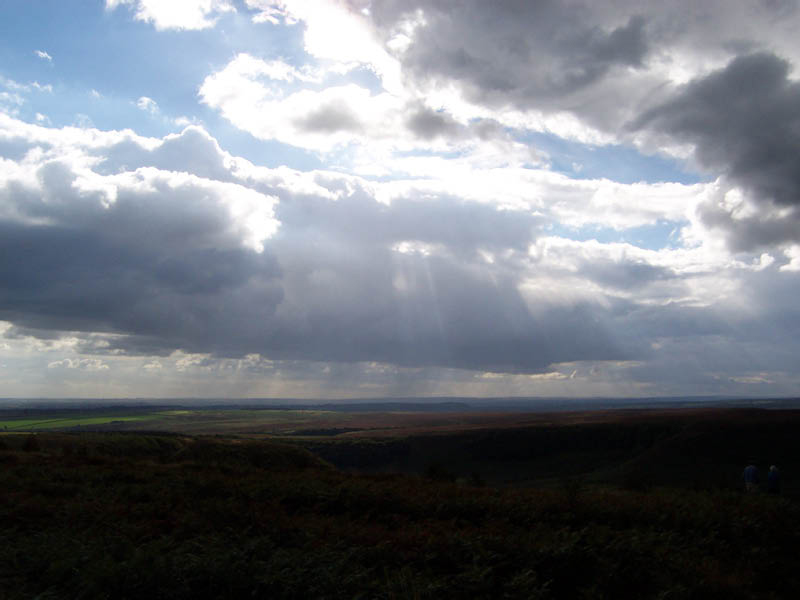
(163, 264)
(434, 253)
(744, 122)
(434, 281)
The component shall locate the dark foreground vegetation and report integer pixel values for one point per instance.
(104, 515)
(690, 449)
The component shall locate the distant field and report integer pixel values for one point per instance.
(694, 448)
(193, 421)
(287, 422)
(58, 422)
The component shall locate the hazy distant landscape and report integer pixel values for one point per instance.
(678, 442)
(420, 500)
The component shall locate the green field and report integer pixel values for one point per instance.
(47, 422)
(176, 420)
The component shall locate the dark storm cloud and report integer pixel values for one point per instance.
(624, 274)
(426, 281)
(343, 303)
(164, 259)
(722, 338)
(707, 347)
(357, 298)
(462, 227)
(743, 122)
(752, 233)
(712, 362)
(610, 63)
(678, 321)
(65, 278)
(164, 266)
(427, 311)
(428, 124)
(529, 54)
(486, 129)
(563, 55)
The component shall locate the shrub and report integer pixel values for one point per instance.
(31, 443)
(438, 472)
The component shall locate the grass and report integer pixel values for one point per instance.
(66, 422)
(152, 516)
(175, 420)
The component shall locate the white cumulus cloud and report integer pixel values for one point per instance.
(147, 104)
(176, 14)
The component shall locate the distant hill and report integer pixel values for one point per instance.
(432, 403)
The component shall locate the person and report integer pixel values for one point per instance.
(750, 476)
(774, 480)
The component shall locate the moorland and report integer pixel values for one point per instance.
(216, 502)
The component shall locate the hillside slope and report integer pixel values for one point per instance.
(133, 516)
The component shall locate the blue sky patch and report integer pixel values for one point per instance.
(615, 162)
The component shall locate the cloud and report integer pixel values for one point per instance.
(14, 95)
(83, 121)
(581, 71)
(176, 14)
(43, 55)
(445, 247)
(553, 58)
(743, 122)
(793, 254)
(85, 364)
(428, 124)
(337, 32)
(161, 259)
(578, 55)
(10, 101)
(147, 253)
(350, 120)
(147, 105)
(192, 151)
(172, 250)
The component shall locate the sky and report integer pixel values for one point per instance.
(367, 198)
